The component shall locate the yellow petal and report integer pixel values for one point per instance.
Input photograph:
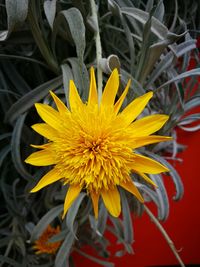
(49, 115)
(41, 146)
(74, 98)
(45, 130)
(72, 194)
(111, 199)
(146, 165)
(146, 178)
(93, 97)
(49, 178)
(147, 140)
(130, 187)
(121, 99)
(110, 89)
(148, 125)
(95, 202)
(59, 104)
(41, 158)
(134, 109)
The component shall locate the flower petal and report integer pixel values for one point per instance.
(72, 194)
(111, 199)
(93, 97)
(130, 187)
(147, 140)
(110, 89)
(121, 99)
(148, 125)
(41, 158)
(95, 202)
(147, 179)
(49, 115)
(131, 112)
(45, 130)
(49, 178)
(59, 104)
(74, 98)
(146, 165)
(41, 146)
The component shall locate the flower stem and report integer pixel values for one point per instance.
(98, 49)
(164, 233)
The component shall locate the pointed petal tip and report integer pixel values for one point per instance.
(63, 215)
(37, 105)
(33, 190)
(72, 193)
(116, 70)
(111, 199)
(95, 202)
(150, 93)
(130, 187)
(52, 94)
(26, 160)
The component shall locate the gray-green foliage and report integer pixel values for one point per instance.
(43, 45)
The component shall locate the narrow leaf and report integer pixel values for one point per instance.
(34, 96)
(45, 221)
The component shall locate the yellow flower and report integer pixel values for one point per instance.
(92, 146)
(43, 246)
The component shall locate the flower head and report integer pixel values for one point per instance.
(92, 145)
(42, 244)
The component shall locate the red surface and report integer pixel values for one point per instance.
(183, 224)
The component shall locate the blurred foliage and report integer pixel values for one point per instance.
(46, 43)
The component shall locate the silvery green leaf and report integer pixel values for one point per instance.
(102, 218)
(136, 88)
(74, 20)
(192, 103)
(191, 129)
(129, 38)
(3, 153)
(172, 73)
(183, 75)
(147, 41)
(16, 14)
(159, 29)
(62, 256)
(149, 5)
(38, 32)
(94, 259)
(15, 148)
(127, 222)
(29, 99)
(154, 53)
(72, 212)
(173, 173)
(93, 225)
(157, 197)
(80, 77)
(149, 194)
(175, 16)
(167, 60)
(45, 221)
(50, 11)
(163, 208)
(119, 233)
(189, 119)
(58, 237)
(159, 11)
(67, 76)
